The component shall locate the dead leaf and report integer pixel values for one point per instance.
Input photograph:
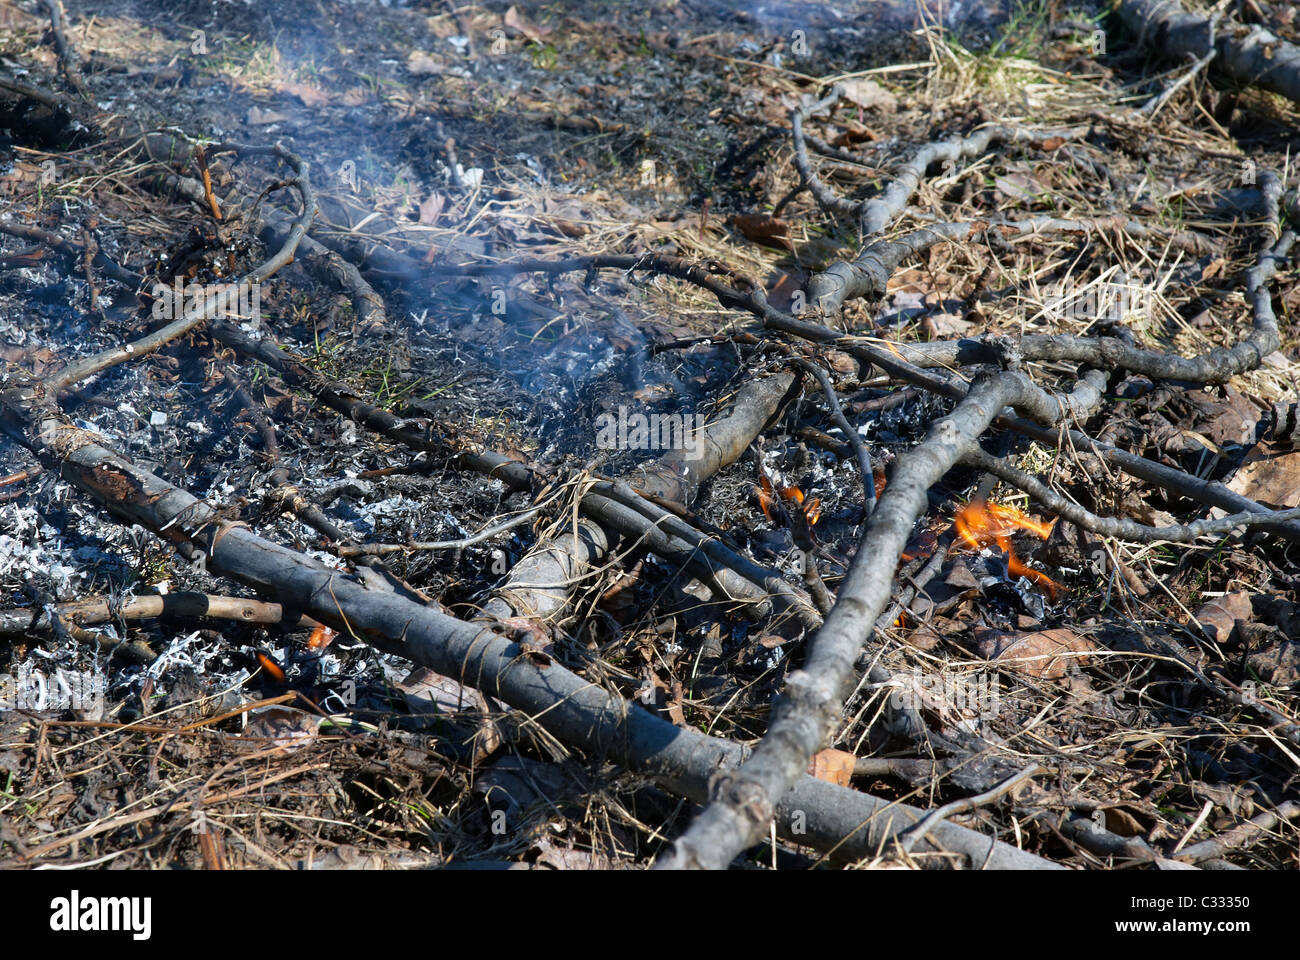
(787, 288)
(309, 95)
(763, 228)
(426, 691)
(1269, 475)
(517, 783)
(532, 639)
(833, 766)
(1213, 268)
(571, 228)
(12, 18)
(283, 726)
(422, 65)
(1123, 821)
(868, 93)
(1044, 653)
(516, 21)
(432, 207)
(852, 134)
(1020, 186)
(1204, 441)
(1218, 617)
(931, 633)
(1278, 664)
(569, 858)
(840, 362)
(910, 280)
(943, 326)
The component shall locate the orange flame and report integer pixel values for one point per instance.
(765, 498)
(321, 637)
(793, 496)
(980, 524)
(273, 669)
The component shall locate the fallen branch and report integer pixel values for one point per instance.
(1119, 527)
(1240, 836)
(574, 710)
(69, 61)
(803, 716)
(87, 613)
(1247, 54)
(540, 584)
(966, 804)
(215, 303)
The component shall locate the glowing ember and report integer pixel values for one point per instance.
(981, 524)
(793, 496)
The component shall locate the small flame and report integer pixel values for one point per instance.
(321, 637)
(273, 669)
(767, 499)
(980, 524)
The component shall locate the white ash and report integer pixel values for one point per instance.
(27, 560)
(178, 653)
(771, 460)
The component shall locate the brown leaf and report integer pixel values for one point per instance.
(428, 692)
(1232, 420)
(1269, 475)
(309, 95)
(868, 93)
(43, 359)
(1277, 664)
(674, 706)
(833, 766)
(25, 258)
(942, 326)
(840, 362)
(763, 228)
(516, 21)
(422, 65)
(854, 133)
(1020, 185)
(569, 858)
(571, 228)
(931, 633)
(1219, 616)
(1045, 653)
(283, 726)
(1124, 821)
(432, 207)
(519, 782)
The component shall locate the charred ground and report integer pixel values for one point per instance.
(1149, 684)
